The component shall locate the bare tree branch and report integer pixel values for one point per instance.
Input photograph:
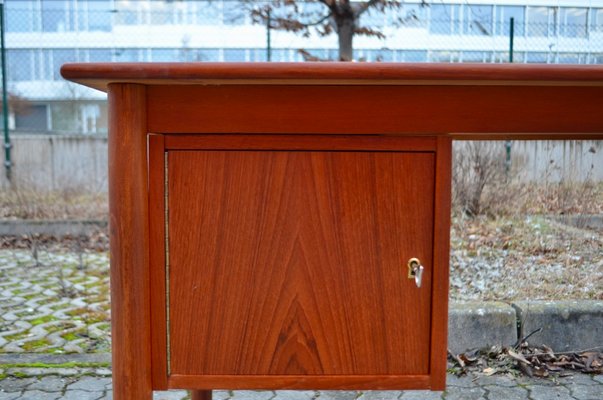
(365, 6)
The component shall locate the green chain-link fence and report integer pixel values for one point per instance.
(41, 35)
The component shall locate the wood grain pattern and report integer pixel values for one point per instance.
(300, 142)
(441, 259)
(295, 262)
(323, 382)
(490, 112)
(129, 241)
(97, 75)
(157, 260)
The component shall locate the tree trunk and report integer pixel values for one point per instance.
(345, 33)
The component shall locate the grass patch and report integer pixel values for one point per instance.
(36, 344)
(16, 336)
(70, 336)
(43, 320)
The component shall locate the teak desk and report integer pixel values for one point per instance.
(269, 221)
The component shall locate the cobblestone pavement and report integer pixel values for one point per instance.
(54, 302)
(70, 383)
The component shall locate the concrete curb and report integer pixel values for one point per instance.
(21, 227)
(566, 325)
(584, 221)
(479, 324)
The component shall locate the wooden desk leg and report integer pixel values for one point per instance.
(129, 243)
(201, 395)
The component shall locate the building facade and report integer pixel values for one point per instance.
(41, 35)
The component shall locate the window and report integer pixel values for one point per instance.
(126, 55)
(161, 12)
(163, 55)
(99, 15)
(234, 55)
(373, 18)
(34, 119)
(478, 20)
(99, 55)
(412, 56)
(537, 57)
(572, 22)
(411, 15)
(445, 19)
(209, 55)
(477, 56)
(20, 16)
(542, 21)
(596, 58)
(233, 13)
(503, 20)
(60, 57)
(127, 12)
(57, 16)
(209, 13)
(20, 65)
(571, 58)
(444, 56)
(596, 19)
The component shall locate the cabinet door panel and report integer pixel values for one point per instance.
(295, 262)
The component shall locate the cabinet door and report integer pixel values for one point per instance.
(295, 262)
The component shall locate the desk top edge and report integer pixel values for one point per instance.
(99, 75)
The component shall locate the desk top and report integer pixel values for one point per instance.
(99, 75)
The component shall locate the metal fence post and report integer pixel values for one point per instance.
(7, 145)
(508, 142)
(268, 38)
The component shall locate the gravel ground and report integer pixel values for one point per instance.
(524, 258)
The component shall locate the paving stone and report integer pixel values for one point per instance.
(39, 395)
(496, 380)
(598, 378)
(294, 394)
(9, 396)
(460, 381)
(587, 392)
(81, 395)
(338, 394)
(48, 384)
(380, 395)
(102, 372)
(253, 394)
(583, 379)
(506, 393)
(170, 395)
(420, 395)
(462, 393)
(108, 395)
(15, 384)
(538, 392)
(90, 383)
(45, 371)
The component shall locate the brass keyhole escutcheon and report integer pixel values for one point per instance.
(415, 270)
